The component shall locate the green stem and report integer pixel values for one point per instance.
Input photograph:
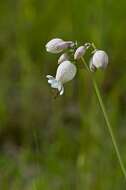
(106, 120)
(94, 47)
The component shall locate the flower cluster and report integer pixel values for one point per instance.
(67, 61)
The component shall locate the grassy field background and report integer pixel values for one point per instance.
(60, 144)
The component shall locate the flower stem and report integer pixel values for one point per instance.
(106, 120)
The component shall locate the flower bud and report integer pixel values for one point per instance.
(79, 52)
(99, 60)
(63, 57)
(57, 45)
(66, 71)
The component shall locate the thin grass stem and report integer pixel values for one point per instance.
(108, 124)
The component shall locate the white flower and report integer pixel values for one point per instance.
(79, 52)
(66, 71)
(63, 57)
(57, 45)
(99, 60)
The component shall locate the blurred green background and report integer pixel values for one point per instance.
(60, 144)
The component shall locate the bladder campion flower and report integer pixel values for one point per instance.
(57, 45)
(99, 60)
(66, 71)
(80, 51)
(67, 60)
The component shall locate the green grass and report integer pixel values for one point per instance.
(71, 148)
